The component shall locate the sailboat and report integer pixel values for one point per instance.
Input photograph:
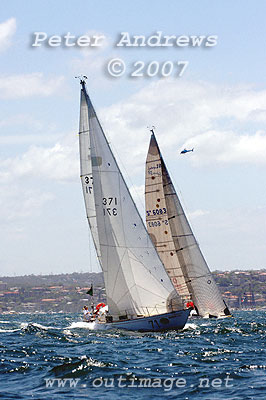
(140, 294)
(175, 242)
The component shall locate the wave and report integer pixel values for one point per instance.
(190, 326)
(81, 324)
(34, 326)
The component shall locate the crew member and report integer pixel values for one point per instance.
(190, 304)
(86, 314)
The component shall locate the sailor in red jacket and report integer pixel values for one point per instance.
(190, 304)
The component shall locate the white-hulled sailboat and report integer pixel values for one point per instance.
(140, 294)
(175, 242)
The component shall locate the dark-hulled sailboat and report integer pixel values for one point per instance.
(140, 295)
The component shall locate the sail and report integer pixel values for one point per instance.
(86, 172)
(136, 282)
(175, 242)
(157, 220)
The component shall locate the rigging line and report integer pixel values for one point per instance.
(199, 277)
(126, 252)
(153, 183)
(180, 198)
(149, 291)
(133, 186)
(176, 250)
(90, 253)
(177, 236)
(164, 241)
(125, 247)
(138, 286)
(158, 279)
(91, 216)
(152, 191)
(112, 155)
(175, 276)
(157, 216)
(153, 161)
(141, 262)
(120, 269)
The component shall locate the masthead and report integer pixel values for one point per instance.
(151, 129)
(82, 79)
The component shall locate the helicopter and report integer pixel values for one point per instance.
(186, 151)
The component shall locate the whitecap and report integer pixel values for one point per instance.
(25, 325)
(81, 324)
(190, 326)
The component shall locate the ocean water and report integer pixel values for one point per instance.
(56, 357)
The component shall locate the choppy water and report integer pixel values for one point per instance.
(209, 359)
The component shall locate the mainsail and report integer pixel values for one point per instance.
(174, 240)
(135, 279)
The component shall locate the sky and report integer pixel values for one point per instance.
(217, 107)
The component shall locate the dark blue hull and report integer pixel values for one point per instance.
(175, 320)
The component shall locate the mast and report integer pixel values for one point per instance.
(135, 279)
(175, 241)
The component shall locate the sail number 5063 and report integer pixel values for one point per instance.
(158, 211)
(109, 203)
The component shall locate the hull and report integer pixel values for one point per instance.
(175, 320)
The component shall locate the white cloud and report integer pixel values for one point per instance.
(7, 30)
(16, 203)
(224, 124)
(197, 213)
(185, 114)
(59, 162)
(92, 62)
(27, 85)
(227, 235)
(229, 147)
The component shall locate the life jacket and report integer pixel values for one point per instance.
(190, 304)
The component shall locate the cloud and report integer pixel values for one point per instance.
(224, 123)
(59, 162)
(228, 147)
(16, 203)
(92, 62)
(185, 114)
(197, 213)
(240, 231)
(7, 31)
(28, 85)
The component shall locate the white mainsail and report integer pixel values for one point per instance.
(136, 282)
(175, 242)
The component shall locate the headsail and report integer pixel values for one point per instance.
(135, 279)
(175, 242)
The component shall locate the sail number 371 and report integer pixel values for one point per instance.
(109, 203)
